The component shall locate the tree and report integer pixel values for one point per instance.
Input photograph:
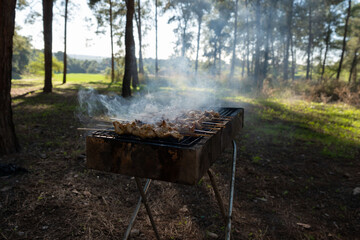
(310, 39)
(47, 22)
(344, 41)
(138, 24)
(156, 40)
(36, 66)
(218, 35)
(109, 12)
(182, 15)
(8, 140)
(200, 7)
(258, 43)
(289, 17)
(21, 54)
(234, 41)
(65, 33)
(130, 60)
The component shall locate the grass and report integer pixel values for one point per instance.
(73, 81)
(334, 126)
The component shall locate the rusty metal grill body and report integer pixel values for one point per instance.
(184, 161)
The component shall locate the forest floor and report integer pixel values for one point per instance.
(298, 169)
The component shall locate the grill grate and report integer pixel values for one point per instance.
(187, 141)
(228, 112)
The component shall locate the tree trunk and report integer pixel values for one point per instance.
(8, 140)
(65, 34)
(232, 67)
(215, 57)
(268, 37)
(47, 22)
(112, 43)
(156, 40)
(327, 43)
(257, 46)
(198, 44)
(247, 41)
(138, 24)
(309, 42)
(243, 65)
(293, 59)
(130, 60)
(353, 65)
(289, 15)
(344, 41)
(220, 48)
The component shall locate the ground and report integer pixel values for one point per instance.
(287, 186)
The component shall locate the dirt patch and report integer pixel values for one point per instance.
(284, 190)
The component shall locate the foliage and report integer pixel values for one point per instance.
(36, 66)
(21, 54)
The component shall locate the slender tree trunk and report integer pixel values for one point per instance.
(112, 43)
(257, 46)
(47, 22)
(232, 67)
(243, 65)
(65, 34)
(215, 58)
(344, 41)
(268, 37)
(353, 65)
(327, 43)
(247, 40)
(293, 59)
(8, 140)
(220, 49)
(138, 24)
(183, 47)
(198, 44)
(130, 60)
(289, 15)
(156, 39)
(309, 42)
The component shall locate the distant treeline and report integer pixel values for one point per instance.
(84, 66)
(26, 59)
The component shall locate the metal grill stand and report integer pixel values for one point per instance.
(226, 217)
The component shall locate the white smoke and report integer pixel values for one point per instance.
(149, 107)
(162, 99)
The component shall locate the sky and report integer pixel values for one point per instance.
(82, 39)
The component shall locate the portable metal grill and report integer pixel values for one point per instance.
(166, 159)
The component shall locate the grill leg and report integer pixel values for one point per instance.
(133, 217)
(227, 218)
(217, 195)
(231, 198)
(144, 201)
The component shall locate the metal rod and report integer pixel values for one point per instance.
(135, 213)
(144, 201)
(95, 129)
(217, 195)
(231, 199)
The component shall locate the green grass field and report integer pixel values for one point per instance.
(336, 127)
(73, 81)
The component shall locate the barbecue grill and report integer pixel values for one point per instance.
(167, 159)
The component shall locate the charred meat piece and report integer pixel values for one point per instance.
(185, 124)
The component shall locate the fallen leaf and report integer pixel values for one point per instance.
(75, 191)
(304, 225)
